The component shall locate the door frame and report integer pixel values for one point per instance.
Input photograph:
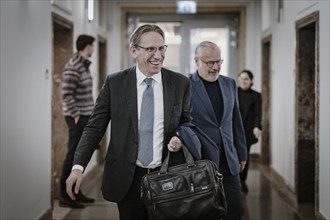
(266, 47)
(59, 145)
(302, 23)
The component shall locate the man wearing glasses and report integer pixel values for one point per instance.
(145, 104)
(215, 111)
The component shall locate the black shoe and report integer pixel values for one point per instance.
(244, 187)
(67, 202)
(84, 199)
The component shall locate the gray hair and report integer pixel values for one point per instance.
(203, 44)
(136, 36)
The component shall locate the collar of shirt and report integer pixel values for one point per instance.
(140, 76)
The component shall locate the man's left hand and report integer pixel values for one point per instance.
(242, 165)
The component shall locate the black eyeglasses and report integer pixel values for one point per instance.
(210, 64)
(162, 49)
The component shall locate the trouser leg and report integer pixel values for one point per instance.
(132, 207)
(244, 173)
(232, 188)
(75, 132)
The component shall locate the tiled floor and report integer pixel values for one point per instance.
(262, 202)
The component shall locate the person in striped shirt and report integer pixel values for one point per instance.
(77, 106)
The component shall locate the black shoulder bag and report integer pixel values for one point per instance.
(188, 191)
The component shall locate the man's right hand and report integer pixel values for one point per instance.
(76, 119)
(75, 177)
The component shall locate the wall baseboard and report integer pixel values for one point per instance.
(48, 215)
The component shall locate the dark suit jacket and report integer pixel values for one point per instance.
(251, 115)
(229, 133)
(117, 102)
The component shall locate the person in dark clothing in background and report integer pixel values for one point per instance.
(250, 108)
(77, 106)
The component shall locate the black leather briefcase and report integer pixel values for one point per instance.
(188, 191)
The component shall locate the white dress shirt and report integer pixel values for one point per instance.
(158, 132)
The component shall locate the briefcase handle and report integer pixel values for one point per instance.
(188, 157)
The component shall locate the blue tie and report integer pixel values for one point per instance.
(145, 154)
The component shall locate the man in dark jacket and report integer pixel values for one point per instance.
(216, 113)
(121, 102)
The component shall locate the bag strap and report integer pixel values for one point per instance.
(187, 155)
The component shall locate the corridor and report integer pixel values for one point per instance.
(263, 202)
(284, 43)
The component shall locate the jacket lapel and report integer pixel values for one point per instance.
(169, 96)
(131, 97)
(248, 105)
(225, 95)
